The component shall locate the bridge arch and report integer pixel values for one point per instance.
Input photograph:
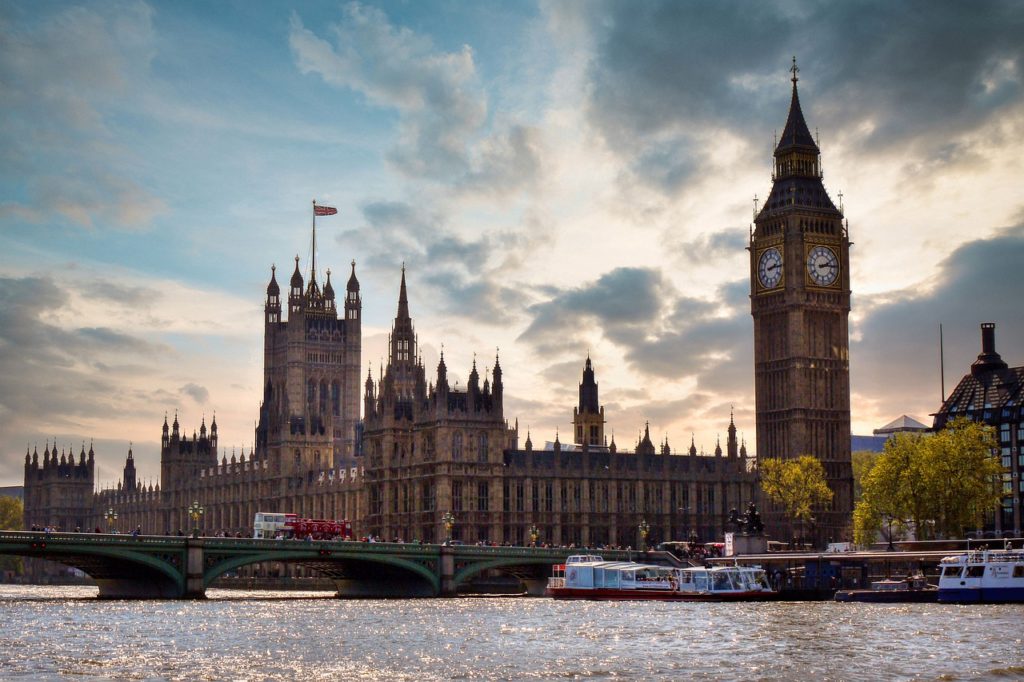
(504, 564)
(333, 558)
(120, 572)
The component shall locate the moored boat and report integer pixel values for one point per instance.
(983, 577)
(910, 589)
(590, 577)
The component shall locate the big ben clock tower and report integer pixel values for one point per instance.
(800, 301)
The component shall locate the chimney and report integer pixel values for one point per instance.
(988, 360)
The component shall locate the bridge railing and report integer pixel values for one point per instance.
(91, 538)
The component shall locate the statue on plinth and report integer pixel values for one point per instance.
(752, 524)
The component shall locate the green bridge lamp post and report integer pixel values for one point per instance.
(534, 534)
(111, 516)
(195, 511)
(644, 530)
(448, 519)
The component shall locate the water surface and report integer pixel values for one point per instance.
(54, 632)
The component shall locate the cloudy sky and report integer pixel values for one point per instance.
(559, 178)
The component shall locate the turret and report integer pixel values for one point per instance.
(129, 472)
(295, 299)
(731, 444)
(369, 401)
(272, 309)
(497, 387)
(353, 303)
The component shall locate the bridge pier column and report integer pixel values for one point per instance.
(194, 559)
(447, 572)
(535, 586)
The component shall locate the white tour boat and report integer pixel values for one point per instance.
(983, 577)
(591, 577)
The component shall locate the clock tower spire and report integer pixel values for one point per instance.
(800, 302)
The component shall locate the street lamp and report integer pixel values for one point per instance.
(644, 530)
(889, 518)
(534, 534)
(448, 519)
(111, 516)
(195, 511)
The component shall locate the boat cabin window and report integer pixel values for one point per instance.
(975, 571)
(950, 572)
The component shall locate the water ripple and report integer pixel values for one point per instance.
(50, 633)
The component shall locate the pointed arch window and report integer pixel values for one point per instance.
(335, 399)
(457, 446)
(481, 452)
(323, 397)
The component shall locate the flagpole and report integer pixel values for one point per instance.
(313, 275)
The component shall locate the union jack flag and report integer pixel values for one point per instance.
(324, 210)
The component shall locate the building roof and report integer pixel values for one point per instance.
(901, 424)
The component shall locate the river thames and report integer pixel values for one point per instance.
(55, 632)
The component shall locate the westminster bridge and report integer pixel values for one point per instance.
(172, 567)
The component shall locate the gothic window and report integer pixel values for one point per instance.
(519, 496)
(549, 493)
(311, 392)
(457, 446)
(335, 399)
(483, 492)
(323, 398)
(481, 452)
(536, 497)
(456, 496)
(593, 435)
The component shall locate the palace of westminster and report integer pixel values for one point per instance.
(423, 447)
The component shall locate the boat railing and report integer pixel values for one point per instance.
(556, 582)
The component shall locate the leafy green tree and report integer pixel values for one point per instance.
(12, 512)
(797, 485)
(11, 518)
(939, 484)
(863, 461)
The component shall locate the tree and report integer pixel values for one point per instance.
(797, 485)
(939, 484)
(863, 461)
(11, 518)
(12, 513)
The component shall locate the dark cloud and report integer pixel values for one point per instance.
(622, 304)
(57, 375)
(459, 276)
(896, 354)
(662, 333)
(663, 70)
(712, 246)
(196, 392)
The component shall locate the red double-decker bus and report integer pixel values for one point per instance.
(271, 525)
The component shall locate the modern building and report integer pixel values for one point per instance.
(993, 393)
(800, 301)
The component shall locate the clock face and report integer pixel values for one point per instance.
(769, 268)
(822, 265)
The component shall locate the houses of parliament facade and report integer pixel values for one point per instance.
(423, 447)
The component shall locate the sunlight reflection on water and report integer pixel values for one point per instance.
(51, 632)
